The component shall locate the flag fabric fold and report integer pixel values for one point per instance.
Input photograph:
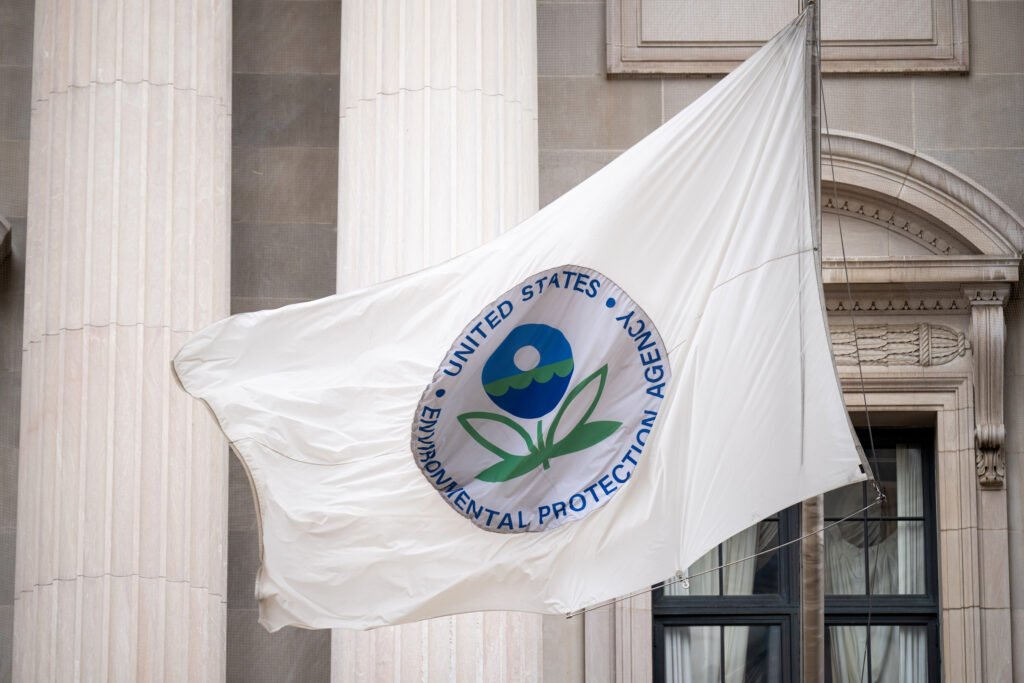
(571, 412)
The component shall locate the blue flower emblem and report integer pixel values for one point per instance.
(529, 372)
(527, 376)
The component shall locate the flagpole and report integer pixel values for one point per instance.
(812, 585)
(814, 65)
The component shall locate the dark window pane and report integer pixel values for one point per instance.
(766, 576)
(908, 498)
(755, 576)
(885, 470)
(845, 501)
(845, 559)
(897, 559)
(702, 577)
(847, 656)
(883, 557)
(753, 654)
(693, 653)
(899, 654)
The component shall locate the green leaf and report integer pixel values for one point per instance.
(510, 469)
(601, 374)
(584, 436)
(465, 421)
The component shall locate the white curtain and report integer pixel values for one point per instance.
(913, 648)
(898, 653)
(693, 653)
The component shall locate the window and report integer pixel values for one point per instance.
(883, 562)
(736, 623)
(741, 623)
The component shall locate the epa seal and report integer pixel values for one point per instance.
(542, 407)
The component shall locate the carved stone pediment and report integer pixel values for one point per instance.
(922, 344)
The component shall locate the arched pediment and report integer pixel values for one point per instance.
(921, 240)
(903, 203)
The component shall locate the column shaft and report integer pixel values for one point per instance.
(122, 480)
(438, 147)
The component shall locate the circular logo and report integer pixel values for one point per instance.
(541, 408)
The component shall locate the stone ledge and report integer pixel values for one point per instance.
(921, 269)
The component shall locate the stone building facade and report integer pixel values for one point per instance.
(165, 163)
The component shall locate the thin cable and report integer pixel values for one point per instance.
(849, 290)
(880, 495)
(678, 579)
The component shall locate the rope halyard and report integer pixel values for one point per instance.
(685, 579)
(880, 495)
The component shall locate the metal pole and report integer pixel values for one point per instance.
(812, 550)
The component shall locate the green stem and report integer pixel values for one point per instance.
(540, 443)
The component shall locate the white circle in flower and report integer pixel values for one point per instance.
(527, 358)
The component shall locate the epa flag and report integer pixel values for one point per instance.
(571, 412)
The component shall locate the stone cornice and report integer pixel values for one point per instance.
(921, 269)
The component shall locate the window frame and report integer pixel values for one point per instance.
(894, 609)
(765, 609)
(783, 608)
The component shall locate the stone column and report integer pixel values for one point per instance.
(438, 147)
(122, 481)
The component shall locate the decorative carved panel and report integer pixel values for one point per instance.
(922, 344)
(713, 36)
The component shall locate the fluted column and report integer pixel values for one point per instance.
(122, 482)
(438, 147)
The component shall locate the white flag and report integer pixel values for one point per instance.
(574, 411)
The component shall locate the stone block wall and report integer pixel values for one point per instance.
(972, 123)
(283, 243)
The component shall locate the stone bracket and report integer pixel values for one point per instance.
(988, 334)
